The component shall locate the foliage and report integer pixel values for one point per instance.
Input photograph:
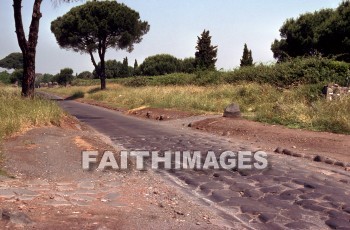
(12, 61)
(65, 76)
(125, 71)
(97, 26)
(160, 64)
(188, 65)
(85, 75)
(5, 77)
(247, 58)
(324, 32)
(115, 69)
(206, 53)
(17, 76)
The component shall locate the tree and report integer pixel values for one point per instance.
(85, 75)
(124, 72)
(97, 26)
(28, 46)
(160, 64)
(12, 61)
(17, 76)
(65, 76)
(188, 65)
(206, 53)
(5, 77)
(136, 68)
(247, 59)
(325, 32)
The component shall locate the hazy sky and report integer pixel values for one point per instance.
(175, 26)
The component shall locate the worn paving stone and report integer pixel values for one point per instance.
(290, 194)
(300, 225)
(86, 185)
(207, 187)
(335, 223)
(266, 217)
(111, 196)
(6, 193)
(56, 204)
(221, 195)
(25, 192)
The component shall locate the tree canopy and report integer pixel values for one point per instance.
(206, 53)
(325, 32)
(247, 58)
(12, 61)
(160, 64)
(97, 26)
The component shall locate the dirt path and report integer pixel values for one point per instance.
(51, 191)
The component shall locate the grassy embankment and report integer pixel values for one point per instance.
(18, 114)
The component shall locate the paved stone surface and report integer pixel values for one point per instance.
(292, 193)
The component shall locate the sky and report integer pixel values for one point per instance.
(175, 25)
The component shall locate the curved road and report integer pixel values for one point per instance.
(293, 193)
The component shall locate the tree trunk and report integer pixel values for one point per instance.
(103, 74)
(28, 47)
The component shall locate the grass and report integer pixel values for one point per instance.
(18, 114)
(297, 107)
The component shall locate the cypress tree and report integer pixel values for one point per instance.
(206, 53)
(247, 58)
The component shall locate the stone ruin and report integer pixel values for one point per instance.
(334, 91)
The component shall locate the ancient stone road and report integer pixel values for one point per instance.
(292, 194)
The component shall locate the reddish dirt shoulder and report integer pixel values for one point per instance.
(269, 137)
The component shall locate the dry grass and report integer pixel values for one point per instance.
(18, 114)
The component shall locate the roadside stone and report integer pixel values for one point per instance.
(329, 161)
(287, 152)
(339, 163)
(278, 150)
(319, 158)
(297, 155)
(232, 111)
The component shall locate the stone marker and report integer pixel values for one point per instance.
(232, 111)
